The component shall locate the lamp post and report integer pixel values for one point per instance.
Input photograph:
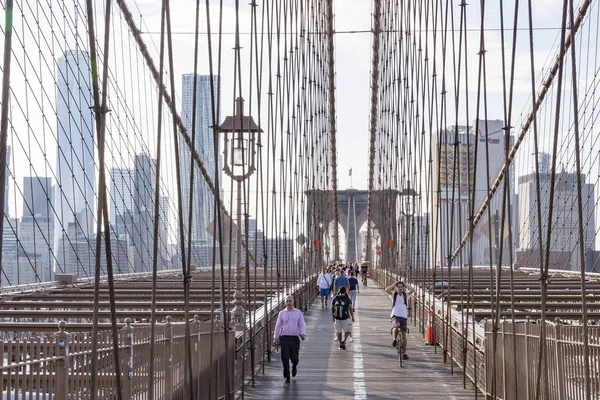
(407, 197)
(240, 133)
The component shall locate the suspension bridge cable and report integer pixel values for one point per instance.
(156, 205)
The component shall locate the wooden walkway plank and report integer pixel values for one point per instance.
(368, 369)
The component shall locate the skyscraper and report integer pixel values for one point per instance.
(75, 175)
(203, 199)
(36, 229)
(143, 211)
(163, 231)
(564, 241)
(6, 182)
(456, 174)
(121, 193)
(38, 196)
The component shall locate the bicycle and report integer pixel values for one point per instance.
(399, 343)
(364, 279)
(400, 350)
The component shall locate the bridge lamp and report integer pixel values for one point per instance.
(408, 198)
(240, 134)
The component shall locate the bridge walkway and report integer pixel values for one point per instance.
(368, 369)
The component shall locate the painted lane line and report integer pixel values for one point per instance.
(360, 386)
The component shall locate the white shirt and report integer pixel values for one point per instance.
(324, 281)
(400, 309)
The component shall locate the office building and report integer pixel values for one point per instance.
(143, 211)
(455, 174)
(6, 182)
(564, 241)
(75, 174)
(203, 199)
(121, 193)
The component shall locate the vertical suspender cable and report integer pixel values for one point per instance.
(215, 105)
(542, 355)
(373, 121)
(185, 258)
(538, 196)
(156, 203)
(506, 209)
(8, 31)
(100, 111)
(585, 338)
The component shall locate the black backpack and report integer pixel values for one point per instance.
(396, 295)
(341, 307)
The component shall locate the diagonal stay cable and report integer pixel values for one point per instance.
(171, 105)
(545, 86)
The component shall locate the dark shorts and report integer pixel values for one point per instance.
(400, 322)
(324, 292)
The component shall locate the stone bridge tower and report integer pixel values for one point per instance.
(352, 206)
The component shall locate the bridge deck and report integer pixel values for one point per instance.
(368, 369)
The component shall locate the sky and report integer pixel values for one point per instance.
(352, 66)
(353, 63)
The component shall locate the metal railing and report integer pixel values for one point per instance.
(565, 377)
(468, 356)
(515, 377)
(58, 366)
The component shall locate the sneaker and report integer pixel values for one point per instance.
(335, 339)
(395, 343)
(295, 369)
(351, 339)
(343, 345)
(405, 356)
(287, 380)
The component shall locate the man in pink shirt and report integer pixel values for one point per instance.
(289, 329)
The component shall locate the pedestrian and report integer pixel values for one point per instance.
(341, 312)
(324, 283)
(341, 281)
(354, 290)
(289, 329)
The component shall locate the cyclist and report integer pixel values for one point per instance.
(400, 313)
(364, 269)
